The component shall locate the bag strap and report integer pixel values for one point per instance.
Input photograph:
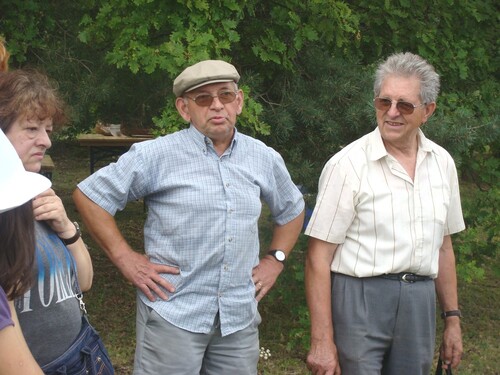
(439, 368)
(79, 296)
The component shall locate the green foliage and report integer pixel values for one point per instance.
(321, 108)
(166, 35)
(479, 243)
(458, 37)
(150, 36)
(31, 28)
(144, 39)
(306, 69)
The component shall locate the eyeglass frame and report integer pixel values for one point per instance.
(407, 111)
(222, 91)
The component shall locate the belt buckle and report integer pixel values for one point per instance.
(404, 276)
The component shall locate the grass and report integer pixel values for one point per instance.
(284, 331)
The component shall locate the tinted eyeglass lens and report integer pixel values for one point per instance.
(205, 100)
(385, 104)
(227, 96)
(405, 108)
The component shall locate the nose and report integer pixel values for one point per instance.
(44, 140)
(216, 103)
(393, 111)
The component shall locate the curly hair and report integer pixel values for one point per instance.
(28, 93)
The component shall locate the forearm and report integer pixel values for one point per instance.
(102, 227)
(446, 288)
(285, 236)
(318, 290)
(83, 264)
(15, 356)
(446, 282)
(134, 266)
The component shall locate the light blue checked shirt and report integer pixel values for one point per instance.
(203, 213)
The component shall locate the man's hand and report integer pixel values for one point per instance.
(451, 348)
(265, 275)
(322, 358)
(145, 275)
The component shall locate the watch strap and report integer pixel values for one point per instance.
(73, 239)
(446, 314)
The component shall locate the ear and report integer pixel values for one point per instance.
(429, 110)
(240, 100)
(182, 108)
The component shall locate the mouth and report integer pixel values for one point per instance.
(393, 123)
(218, 119)
(38, 155)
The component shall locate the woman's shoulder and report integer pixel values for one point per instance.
(5, 316)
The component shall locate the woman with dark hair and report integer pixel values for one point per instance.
(49, 312)
(17, 248)
(17, 234)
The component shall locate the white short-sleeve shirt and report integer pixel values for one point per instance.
(382, 220)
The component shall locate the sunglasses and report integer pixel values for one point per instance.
(205, 100)
(404, 108)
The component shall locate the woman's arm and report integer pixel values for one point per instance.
(48, 207)
(15, 356)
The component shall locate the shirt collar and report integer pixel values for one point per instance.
(203, 141)
(376, 148)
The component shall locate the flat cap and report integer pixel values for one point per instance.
(204, 73)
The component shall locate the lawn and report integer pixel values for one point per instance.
(111, 302)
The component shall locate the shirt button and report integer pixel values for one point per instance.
(227, 184)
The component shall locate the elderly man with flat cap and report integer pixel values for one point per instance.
(200, 283)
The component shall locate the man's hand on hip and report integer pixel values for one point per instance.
(145, 275)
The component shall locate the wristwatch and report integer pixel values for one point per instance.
(71, 240)
(446, 314)
(279, 255)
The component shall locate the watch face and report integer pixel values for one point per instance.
(280, 255)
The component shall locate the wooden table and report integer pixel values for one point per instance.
(47, 166)
(107, 147)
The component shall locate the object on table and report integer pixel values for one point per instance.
(108, 129)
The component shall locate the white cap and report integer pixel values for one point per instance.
(17, 186)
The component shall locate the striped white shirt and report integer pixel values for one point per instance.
(382, 220)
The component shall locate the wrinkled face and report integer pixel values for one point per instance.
(397, 128)
(217, 120)
(31, 139)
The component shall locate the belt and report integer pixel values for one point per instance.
(407, 277)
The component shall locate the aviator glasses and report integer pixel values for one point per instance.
(205, 100)
(404, 108)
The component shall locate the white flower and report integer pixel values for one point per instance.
(264, 353)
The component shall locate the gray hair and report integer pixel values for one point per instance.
(409, 65)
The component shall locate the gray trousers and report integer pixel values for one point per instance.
(164, 349)
(383, 326)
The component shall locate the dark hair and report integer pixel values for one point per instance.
(28, 93)
(17, 250)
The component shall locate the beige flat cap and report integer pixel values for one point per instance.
(204, 73)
